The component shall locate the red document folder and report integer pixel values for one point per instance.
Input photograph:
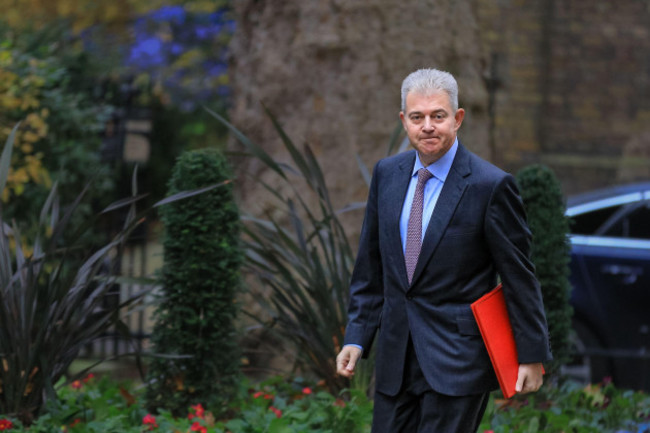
(492, 318)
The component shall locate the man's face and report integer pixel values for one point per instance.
(430, 124)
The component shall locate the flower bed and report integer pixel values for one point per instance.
(96, 405)
(571, 408)
(93, 406)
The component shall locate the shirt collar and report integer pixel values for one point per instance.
(440, 168)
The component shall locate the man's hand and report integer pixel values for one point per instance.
(347, 360)
(529, 378)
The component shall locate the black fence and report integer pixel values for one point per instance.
(135, 262)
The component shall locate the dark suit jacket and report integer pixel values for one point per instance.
(477, 230)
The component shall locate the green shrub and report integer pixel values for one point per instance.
(544, 205)
(200, 277)
(48, 89)
(572, 408)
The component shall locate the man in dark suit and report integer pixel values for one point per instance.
(441, 225)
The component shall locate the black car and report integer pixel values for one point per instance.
(610, 275)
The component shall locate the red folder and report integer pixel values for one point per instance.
(492, 318)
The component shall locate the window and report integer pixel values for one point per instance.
(634, 224)
(588, 222)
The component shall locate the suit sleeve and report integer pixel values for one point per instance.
(509, 240)
(366, 289)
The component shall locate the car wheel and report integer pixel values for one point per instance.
(585, 367)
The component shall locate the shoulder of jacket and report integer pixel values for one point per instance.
(485, 169)
(397, 160)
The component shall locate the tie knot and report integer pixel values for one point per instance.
(424, 175)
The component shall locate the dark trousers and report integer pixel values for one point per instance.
(419, 409)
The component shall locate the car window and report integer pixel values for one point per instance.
(588, 222)
(634, 224)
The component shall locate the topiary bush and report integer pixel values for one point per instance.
(540, 191)
(200, 277)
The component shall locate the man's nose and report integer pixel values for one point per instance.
(428, 123)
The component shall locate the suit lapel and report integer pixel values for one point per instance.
(397, 187)
(452, 192)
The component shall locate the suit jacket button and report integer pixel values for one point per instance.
(410, 298)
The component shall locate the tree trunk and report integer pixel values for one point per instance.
(331, 72)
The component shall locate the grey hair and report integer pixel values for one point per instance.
(427, 81)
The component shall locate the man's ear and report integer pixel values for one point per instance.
(403, 119)
(459, 116)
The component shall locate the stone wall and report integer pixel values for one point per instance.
(573, 87)
(562, 82)
(599, 92)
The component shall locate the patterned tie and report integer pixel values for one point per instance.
(414, 232)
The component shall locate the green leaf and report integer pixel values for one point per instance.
(252, 147)
(5, 159)
(365, 173)
(394, 140)
(236, 424)
(186, 194)
(280, 425)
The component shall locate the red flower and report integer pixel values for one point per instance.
(196, 411)
(88, 377)
(276, 411)
(150, 420)
(339, 402)
(75, 422)
(306, 390)
(76, 384)
(198, 427)
(488, 431)
(259, 394)
(6, 424)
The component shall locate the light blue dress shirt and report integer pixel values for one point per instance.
(440, 170)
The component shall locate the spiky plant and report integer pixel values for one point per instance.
(303, 259)
(52, 294)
